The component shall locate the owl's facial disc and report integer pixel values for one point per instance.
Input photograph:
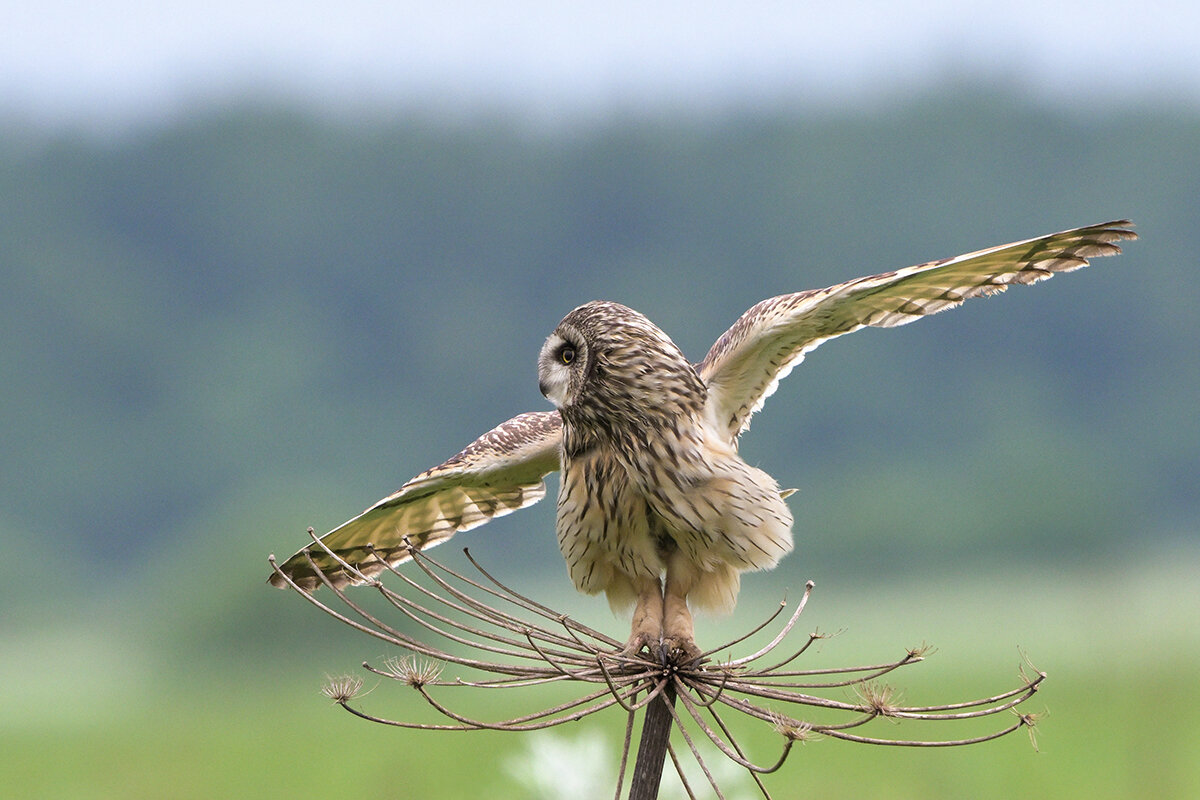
(559, 357)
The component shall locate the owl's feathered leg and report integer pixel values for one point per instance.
(678, 634)
(647, 616)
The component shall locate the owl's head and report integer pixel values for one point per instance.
(607, 355)
(569, 356)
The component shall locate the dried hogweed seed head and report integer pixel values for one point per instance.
(792, 729)
(921, 651)
(1029, 722)
(342, 689)
(414, 671)
(879, 697)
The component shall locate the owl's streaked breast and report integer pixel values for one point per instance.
(605, 529)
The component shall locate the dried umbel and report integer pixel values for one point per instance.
(499, 639)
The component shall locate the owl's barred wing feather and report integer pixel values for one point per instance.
(746, 364)
(498, 473)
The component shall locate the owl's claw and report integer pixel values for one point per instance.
(666, 649)
(680, 650)
(640, 640)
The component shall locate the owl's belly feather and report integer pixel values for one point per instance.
(620, 519)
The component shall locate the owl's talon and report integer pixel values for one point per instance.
(640, 640)
(679, 650)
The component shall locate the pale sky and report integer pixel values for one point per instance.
(100, 63)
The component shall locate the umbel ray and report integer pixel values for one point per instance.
(655, 507)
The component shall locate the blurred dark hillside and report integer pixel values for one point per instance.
(261, 317)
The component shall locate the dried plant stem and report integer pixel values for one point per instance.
(652, 749)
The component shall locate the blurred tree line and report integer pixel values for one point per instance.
(220, 331)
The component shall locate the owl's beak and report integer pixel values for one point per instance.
(554, 389)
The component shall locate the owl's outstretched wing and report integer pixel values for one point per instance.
(498, 473)
(746, 364)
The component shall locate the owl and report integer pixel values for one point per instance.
(656, 509)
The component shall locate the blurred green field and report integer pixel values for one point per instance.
(1120, 643)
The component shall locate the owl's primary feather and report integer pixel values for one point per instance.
(655, 506)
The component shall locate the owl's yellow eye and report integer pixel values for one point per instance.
(567, 354)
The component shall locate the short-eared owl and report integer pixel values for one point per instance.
(655, 507)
